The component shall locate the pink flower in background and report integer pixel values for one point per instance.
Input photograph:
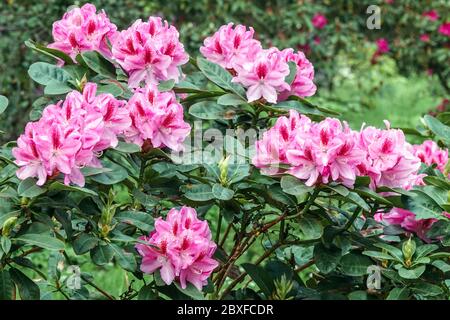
(83, 29)
(264, 77)
(149, 52)
(303, 85)
(70, 135)
(407, 220)
(158, 118)
(430, 153)
(431, 15)
(319, 21)
(445, 29)
(230, 46)
(382, 46)
(181, 249)
(424, 38)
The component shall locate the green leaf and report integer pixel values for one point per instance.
(45, 73)
(326, 259)
(310, 228)
(356, 199)
(125, 259)
(378, 255)
(127, 147)
(166, 85)
(84, 242)
(439, 129)
(425, 250)
(116, 175)
(438, 182)
(58, 186)
(191, 291)
(111, 88)
(6, 285)
(237, 172)
(426, 289)
(53, 53)
(42, 241)
(198, 192)
(56, 88)
(300, 107)
(261, 277)
(422, 205)
(28, 188)
(292, 72)
(147, 293)
(5, 244)
(399, 294)
(101, 254)
(100, 65)
(3, 103)
(230, 99)
(146, 200)
(221, 192)
(140, 220)
(411, 273)
(355, 265)
(393, 251)
(210, 110)
(28, 290)
(441, 265)
(219, 76)
(294, 186)
(364, 191)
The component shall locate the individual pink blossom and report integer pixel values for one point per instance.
(382, 46)
(157, 118)
(407, 220)
(264, 77)
(230, 46)
(181, 249)
(83, 29)
(431, 15)
(444, 29)
(303, 85)
(319, 21)
(429, 153)
(70, 135)
(149, 52)
(424, 38)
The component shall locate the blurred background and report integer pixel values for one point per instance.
(398, 72)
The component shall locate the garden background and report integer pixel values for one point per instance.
(355, 74)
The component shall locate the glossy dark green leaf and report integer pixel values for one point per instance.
(28, 290)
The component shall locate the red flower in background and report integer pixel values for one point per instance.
(319, 21)
(431, 15)
(445, 29)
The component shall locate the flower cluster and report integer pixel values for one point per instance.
(407, 220)
(262, 71)
(181, 247)
(157, 119)
(330, 151)
(430, 153)
(149, 51)
(70, 135)
(82, 29)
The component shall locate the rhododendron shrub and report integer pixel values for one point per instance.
(212, 176)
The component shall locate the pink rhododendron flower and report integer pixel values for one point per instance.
(83, 29)
(303, 85)
(149, 51)
(157, 118)
(231, 46)
(382, 46)
(407, 220)
(430, 153)
(319, 21)
(264, 77)
(314, 152)
(431, 15)
(445, 29)
(181, 249)
(70, 135)
(424, 38)
(390, 160)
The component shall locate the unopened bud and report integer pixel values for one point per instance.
(408, 249)
(223, 167)
(8, 225)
